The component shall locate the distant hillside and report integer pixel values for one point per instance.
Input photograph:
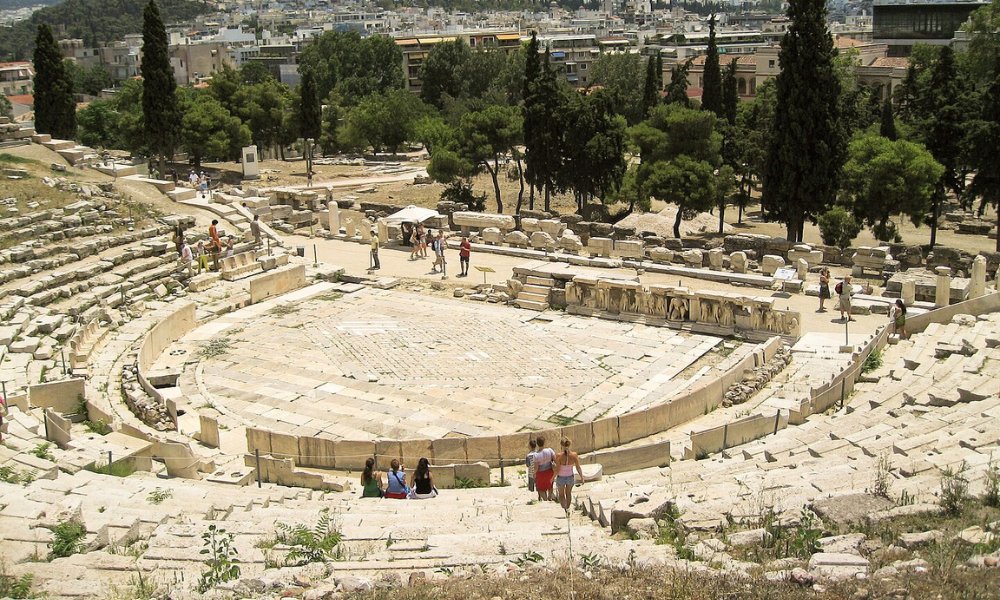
(93, 21)
(12, 4)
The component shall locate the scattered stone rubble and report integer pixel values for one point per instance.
(756, 378)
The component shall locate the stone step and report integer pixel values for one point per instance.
(546, 282)
(57, 145)
(532, 304)
(533, 297)
(179, 194)
(540, 290)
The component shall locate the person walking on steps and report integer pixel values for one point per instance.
(565, 480)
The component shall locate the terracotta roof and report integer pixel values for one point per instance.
(4, 65)
(898, 62)
(840, 42)
(725, 59)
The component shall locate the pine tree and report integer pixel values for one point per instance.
(310, 111)
(807, 148)
(730, 94)
(160, 115)
(887, 129)
(711, 96)
(55, 109)
(651, 88)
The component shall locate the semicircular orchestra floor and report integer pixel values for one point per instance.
(380, 364)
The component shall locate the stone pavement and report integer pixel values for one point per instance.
(400, 365)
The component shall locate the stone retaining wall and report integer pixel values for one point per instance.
(610, 432)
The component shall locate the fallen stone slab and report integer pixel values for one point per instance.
(838, 565)
(918, 539)
(849, 508)
(903, 511)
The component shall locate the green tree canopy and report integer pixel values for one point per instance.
(159, 103)
(594, 148)
(209, 132)
(488, 135)
(442, 72)
(626, 82)
(807, 147)
(382, 121)
(543, 106)
(883, 177)
(711, 96)
(352, 66)
(263, 107)
(55, 108)
(310, 111)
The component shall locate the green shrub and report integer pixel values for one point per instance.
(221, 562)
(15, 587)
(874, 361)
(66, 537)
(42, 451)
(310, 545)
(954, 489)
(838, 227)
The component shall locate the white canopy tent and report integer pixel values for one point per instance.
(411, 214)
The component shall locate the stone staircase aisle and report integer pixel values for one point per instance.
(535, 293)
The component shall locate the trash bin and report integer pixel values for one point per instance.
(300, 251)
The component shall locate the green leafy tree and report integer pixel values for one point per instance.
(593, 149)
(433, 132)
(838, 227)
(352, 66)
(328, 136)
(442, 72)
(98, 125)
(254, 72)
(127, 103)
(382, 121)
(487, 136)
(678, 86)
(90, 80)
(208, 131)
(680, 152)
(883, 177)
(711, 96)
(531, 113)
(984, 152)
(55, 108)
(6, 109)
(263, 107)
(984, 45)
(159, 102)
(806, 149)
(651, 87)
(626, 83)
(310, 111)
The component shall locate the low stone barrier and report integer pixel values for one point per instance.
(277, 282)
(717, 439)
(62, 396)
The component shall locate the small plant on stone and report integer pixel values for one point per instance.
(9, 474)
(306, 545)
(804, 541)
(98, 426)
(873, 362)
(222, 561)
(15, 587)
(463, 483)
(528, 557)
(882, 477)
(42, 451)
(158, 495)
(991, 495)
(502, 549)
(954, 489)
(590, 561)
(215, 347)
(66, 539)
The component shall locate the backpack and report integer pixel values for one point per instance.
(840, 287)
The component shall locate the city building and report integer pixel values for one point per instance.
(900, 24)
(17, 78)
(416, 48)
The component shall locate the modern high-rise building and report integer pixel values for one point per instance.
(901, 24)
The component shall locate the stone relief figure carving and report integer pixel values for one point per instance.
(588, 295)
(678, 309)
(756, 317)
(642, 301)
(573, 294)
(709, 311)
(726, 316)
(602, 301)
(658, 305)
(790, 324)
(772, 322)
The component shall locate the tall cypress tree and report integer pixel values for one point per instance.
(310, 111)
(55, 109)
(711, 96)
(532, 68)
(887, 128)
(651, 88)
(730, 93)
(944, 129)
(659, 71)
(807, 147)
(542, 149)
(159, 101)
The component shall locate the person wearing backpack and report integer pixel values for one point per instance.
(844, 291)
(395, 482)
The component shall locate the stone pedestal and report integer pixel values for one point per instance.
(909, 292)
(801, 268)
(943, 290)
(333, 217)
(977, 287)
(738, 262)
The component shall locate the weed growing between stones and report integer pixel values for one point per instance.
(308, 545)
(991, 496)
(98, 426)
(116, 469)
(215, 347)
(463, 483)
(874, 361)
(15, 587)
(66, 539)
(42, 451)
(281, 310)
(954, 489)
(222, 561)
(158, 495)
(9, 474)
(528, 558)
(882, 477)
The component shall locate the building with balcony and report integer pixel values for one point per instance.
(17, 79)
(900, 24)
(416, 48)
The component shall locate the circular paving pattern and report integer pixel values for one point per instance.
(387, 364)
